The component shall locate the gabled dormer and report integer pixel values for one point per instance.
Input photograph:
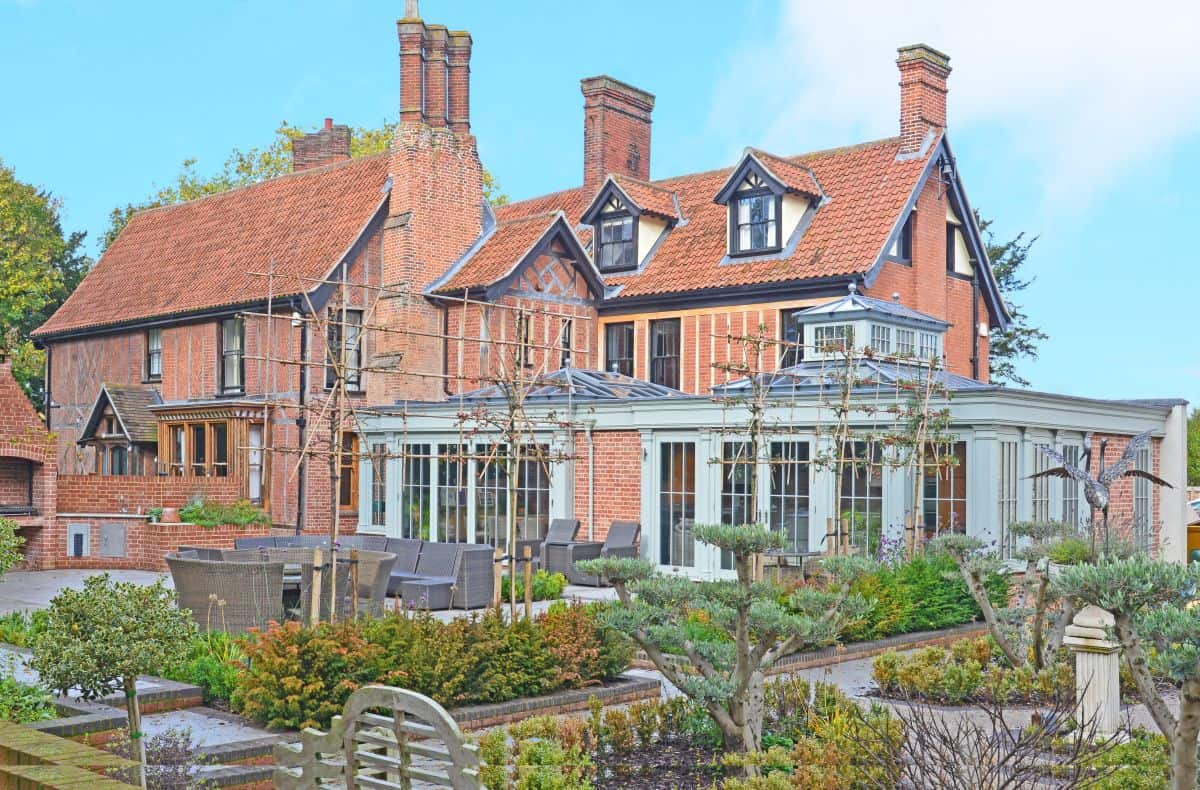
(628, 218)
(767, 199)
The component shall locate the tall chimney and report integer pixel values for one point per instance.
(458, 93)
(437, 85)
(616, 129)
(923, 73)
(330, 144)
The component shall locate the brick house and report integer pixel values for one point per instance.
(622, 286)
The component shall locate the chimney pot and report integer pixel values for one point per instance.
(923, 74)
(616, 129)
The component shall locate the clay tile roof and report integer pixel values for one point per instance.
(499, 251)
(200, 255)
(648, 197)
(131, 403)
(795, 176)
(866, 189)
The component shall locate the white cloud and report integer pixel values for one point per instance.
(1083, 92)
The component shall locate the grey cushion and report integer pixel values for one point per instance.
(438, 559)
(267, 541)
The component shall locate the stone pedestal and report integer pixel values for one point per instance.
(1097, 676)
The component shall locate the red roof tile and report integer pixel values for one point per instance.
(199, 255)
(509, 242)
(648, 197)
(795, 176)
(866, 189)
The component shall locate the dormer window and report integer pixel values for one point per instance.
(754, 217)
(617, 243)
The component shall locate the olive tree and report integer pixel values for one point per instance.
(99, 639)
(758, 624)
(1031, 630)
(1159, 631)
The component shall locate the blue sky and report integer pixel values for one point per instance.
(1081, 129)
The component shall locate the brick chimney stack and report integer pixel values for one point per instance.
(923, 73)
(435, 207)
(330, 144)
(616, 129)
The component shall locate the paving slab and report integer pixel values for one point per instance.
(22, 591)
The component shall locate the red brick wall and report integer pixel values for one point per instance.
(617, 488)
(145, 543)
(616, 130)
(925, 285)
(1121, 499)
(134, 494)
(16, 478)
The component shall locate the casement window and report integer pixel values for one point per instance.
(618, 348)
(931, 347)
(491, 495)
(832, 337)
(533, 492)
(233, 356)
(1010, 483)
(524, 350)
(755, 222)
(379, 457)
(860, 497)
(415, 503)
(1041, 485)
(564, 339)
(1070, 486)
(348, 481)
(118, 460)
(791, 333)
(452, 493)
(737, 508)
(345, 328)
(202, 449)
(951, 245)
(901, 249)
(617, 243)
(664, 352)
(789, 493)
(944, 490)
(254, 464)
(677, 504)
(906, 342)
(154, 339)
(1142, 503)
(881, 338)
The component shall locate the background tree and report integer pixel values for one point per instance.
(39, 267)
(102, 637)
(257, 164)
(1020, 341)
(1193, 448)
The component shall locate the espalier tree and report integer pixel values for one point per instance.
(758, 623)
(1160, 637)
(99, 639)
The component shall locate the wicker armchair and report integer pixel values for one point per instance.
(374, 573)
(252, 592)
(430, 582)
(621, 541)
(562, 531)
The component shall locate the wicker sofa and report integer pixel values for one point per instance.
(442, 575)
(248, 594)
(621, 541)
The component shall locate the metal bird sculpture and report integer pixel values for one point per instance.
(1095, 489)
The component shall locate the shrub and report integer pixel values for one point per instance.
(19, 628)
(972, 669)
(23, 702)
(172, 758)
(214, 662)
(1070, 551)
(546, 586)
(212, 514)
(301, 676)
(584, 650)
(922, 594)
(539, 753)
(10, 545)
(1141, 763)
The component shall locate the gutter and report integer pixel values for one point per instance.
(587, 427)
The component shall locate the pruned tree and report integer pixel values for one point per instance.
(99, 639)
(726, 676)
(1158, 626)
(1029, 632)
